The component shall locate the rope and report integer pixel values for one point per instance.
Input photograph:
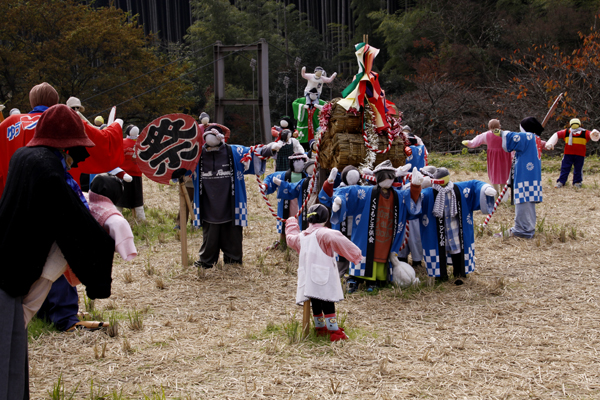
(498, 200)
(311, 183)
(374, 150)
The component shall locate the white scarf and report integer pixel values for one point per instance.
(438, 207)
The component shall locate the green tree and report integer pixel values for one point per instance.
(93, 54)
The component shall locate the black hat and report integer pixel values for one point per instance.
(531, 124)
(441, 173)
(107, 186)
(317, 214)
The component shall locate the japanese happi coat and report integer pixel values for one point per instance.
(361, 202)
(470, 196)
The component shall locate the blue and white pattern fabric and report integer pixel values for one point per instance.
(359, 202)
(417, 158)
(257, 166)
(471, 196)
(528, 165)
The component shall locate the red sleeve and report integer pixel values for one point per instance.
(328, 188)
(588, 135)
(107, 154)
(561, 134)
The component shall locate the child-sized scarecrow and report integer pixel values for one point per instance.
(318, 280)
(314, 86)
(498, 161)
(133, 192)
(527, 181)
(380, 213)
(447, 226)
(220, 200)
(576, 139)
(288, 205)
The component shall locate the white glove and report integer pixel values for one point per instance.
(337, 203)
(277, 181)
(276, 146)
(127, 177)
(2, 107)
(595, 135)
(426, 182)
(403, 171)
(552, 141)
(119, 121)
(332, 175)
(490, 191)
(246, 165)
(417, 177)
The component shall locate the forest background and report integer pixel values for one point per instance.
(449, 65)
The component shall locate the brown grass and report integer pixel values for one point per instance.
(524, 325)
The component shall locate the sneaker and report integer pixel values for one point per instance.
(577, 185)
(334, 336)
(558, 185)
(371, 287)
(352, 285)
(200, 264)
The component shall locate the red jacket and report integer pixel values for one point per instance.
(17, 130)
(580, 139)
(129, 165)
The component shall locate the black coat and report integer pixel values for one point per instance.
(39, 208)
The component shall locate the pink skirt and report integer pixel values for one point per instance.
(499, 162)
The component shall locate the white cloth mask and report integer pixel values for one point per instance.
(386, 183)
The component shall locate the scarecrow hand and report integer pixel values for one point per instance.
(337, 203)
(246, 165)
(465, 143)
(2, 107)
(595, 135)
(417, 177)
(119, 121)
(490, 191)
(332, 175)
(277, 181)
(552, 142)
(276, 146)
(403, 171)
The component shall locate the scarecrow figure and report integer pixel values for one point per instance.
(314, 86)
(318, 280)
(527, 180)
(576, 139)
(447, 226)
(41, 193)
(289, 204)
(380, 213)
(133, 192)
(105, 191)
(220, 195)
(498, 161)
(283, 133)
(350, 176)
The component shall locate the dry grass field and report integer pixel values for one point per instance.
(525, 325)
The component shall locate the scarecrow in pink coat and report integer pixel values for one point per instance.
(318, 278)
(498, 160)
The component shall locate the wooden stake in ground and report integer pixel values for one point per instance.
(306, 319)
(183, 223)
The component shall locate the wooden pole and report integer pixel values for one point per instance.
(183, 224)
(306, 319)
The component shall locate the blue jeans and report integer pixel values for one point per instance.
(568, 161)
(61, 305)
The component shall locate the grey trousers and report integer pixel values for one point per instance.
(14, 369)
(524, 221)
(225, 237)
